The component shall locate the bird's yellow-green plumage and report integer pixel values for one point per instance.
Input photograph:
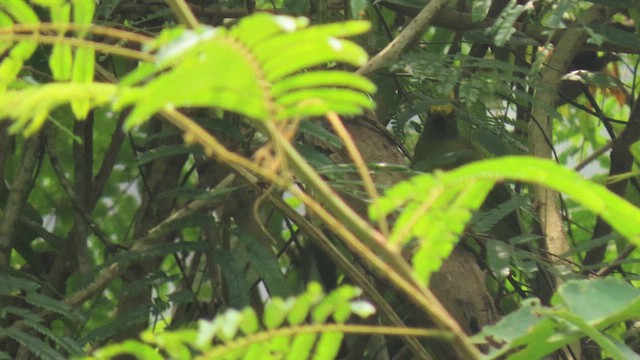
(441, 146)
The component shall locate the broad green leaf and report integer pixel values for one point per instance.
(534, 331)
(635, 150)
(601, 302)
(522, 327)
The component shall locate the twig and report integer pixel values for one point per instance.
(17, 197)
(415, 28)
(594, 155)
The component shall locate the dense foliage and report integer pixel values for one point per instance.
(178, 179)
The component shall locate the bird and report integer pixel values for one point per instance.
(441, 147)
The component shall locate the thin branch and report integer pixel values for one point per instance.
(414, 30)
(107, 275)
(18, 194)
(594, 155)
(363, 170)
(621, 162)
(181, 10)
(71, 193)
(357, 276)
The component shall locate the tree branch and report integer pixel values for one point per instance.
(621, 162)
(415, 29)
(17, 197)
(541, 127)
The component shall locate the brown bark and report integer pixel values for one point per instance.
(621, 162)
(459, 285)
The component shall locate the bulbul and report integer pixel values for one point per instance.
(442, 147)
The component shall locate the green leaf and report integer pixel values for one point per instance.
(61, 55)
(615, 210)
(31, 106)
(358, 8)
(9, 284)
(142, 351)
(601, 302)
(175, 343)
(234, 276)
(499, 258)
(503, 28)
(60, 62)
(635, 150)
(54, 305)
(320, 79)
(616, 36)
(33, 344)
(83, 67)
(21, 11)
(255, 69)
(249, 323)
(617, 4)
(328, 346)
(415, 4)
(83, 11)
(303, 304)
(301, 346)
(480, 9)
(436, 208)
(522, 327)
(275, 312)
(534, 331)
(266, 264)
(320, 134)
